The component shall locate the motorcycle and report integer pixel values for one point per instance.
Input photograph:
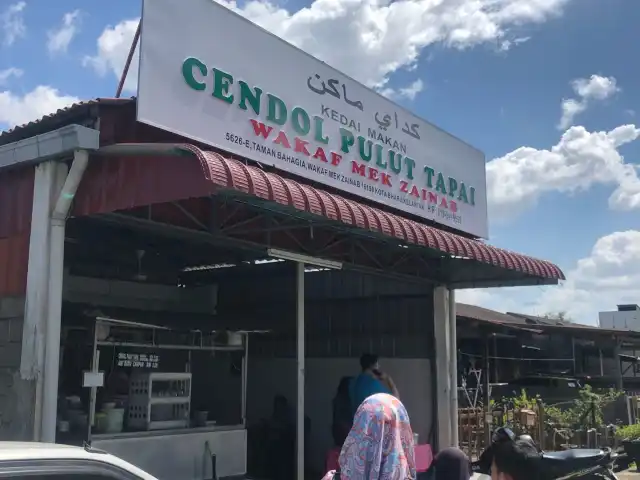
(576, 463)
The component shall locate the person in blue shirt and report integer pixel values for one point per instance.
(370, 382)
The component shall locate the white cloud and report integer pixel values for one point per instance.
(113, 48)
(610, 275)
(580, 160)
(42, 100)
(12, 25)
(7, 74)
(409, 92)
(505, 45)
(58, 39)
(368, 40)
(594, 88)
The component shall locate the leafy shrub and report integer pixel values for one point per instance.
(629, 432)
(579, 413)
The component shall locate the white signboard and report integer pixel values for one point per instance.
(208, 74)
(138, 360)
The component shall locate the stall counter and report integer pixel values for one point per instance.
(184, 453)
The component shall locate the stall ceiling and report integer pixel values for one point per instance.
(347, 312)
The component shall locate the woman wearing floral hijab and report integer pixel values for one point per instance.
(380, 443)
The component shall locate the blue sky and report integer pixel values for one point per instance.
(492, 72)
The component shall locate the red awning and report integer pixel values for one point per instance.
(222, 173)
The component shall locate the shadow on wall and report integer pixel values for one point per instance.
(270, 377)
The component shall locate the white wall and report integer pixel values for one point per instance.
(620, 320)
(269, 377)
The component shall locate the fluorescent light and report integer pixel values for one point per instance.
(199, 268)
(266, 261)
(296, 257)
(315, 269)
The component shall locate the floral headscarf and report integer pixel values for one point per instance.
(380, 443)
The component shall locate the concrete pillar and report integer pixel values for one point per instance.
(17, 396)
(47, 177)
(442, 345)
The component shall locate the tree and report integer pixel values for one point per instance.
(560, 316)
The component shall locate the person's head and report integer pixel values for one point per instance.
(369, 362)
(451, 464)
(515, 460)
(380, 443)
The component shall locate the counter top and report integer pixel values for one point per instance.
(164, 433)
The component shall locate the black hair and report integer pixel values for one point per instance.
(519, 459)
(368, 360)
(451, 464)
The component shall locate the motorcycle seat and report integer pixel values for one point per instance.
(576, 459)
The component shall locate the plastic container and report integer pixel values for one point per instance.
(200, 418)
(101, 422)
(114, 421)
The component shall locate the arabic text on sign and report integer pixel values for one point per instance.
(385, 122)
(330, 87)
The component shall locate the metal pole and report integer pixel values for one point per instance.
(573, 354)
(601, 364)
(300, 364)
(486, 394)
(618, 364)
(95, 365)
(127, 64)
(453, 367)
(245, 364)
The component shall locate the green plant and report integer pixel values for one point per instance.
(629, 432)
(505, 411)
(523, 401)
(584, 410)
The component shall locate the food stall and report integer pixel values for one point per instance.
(158, 396)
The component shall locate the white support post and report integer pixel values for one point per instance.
(66, 187)
(453, 366)
(34, 327)
(443, 378)
(300, 369)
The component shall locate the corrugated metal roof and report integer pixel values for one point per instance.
(537, 320)
(485, 315)
(142, 180)
(545, 325)
(47, 122)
